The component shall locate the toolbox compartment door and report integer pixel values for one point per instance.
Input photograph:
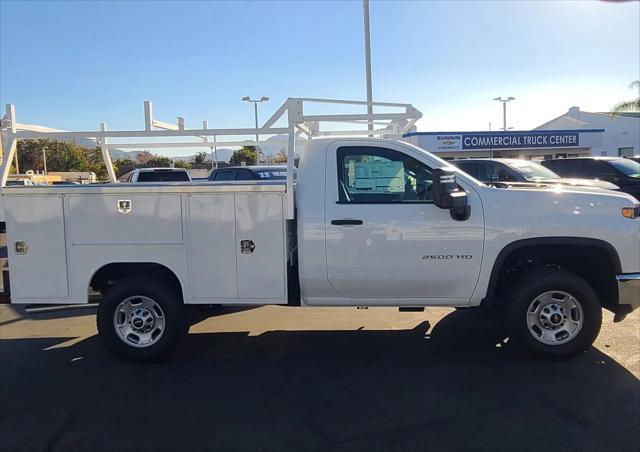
(36, 247)
(97, 219)
(212, 255)
(260, 246)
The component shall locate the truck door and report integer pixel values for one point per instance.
(385, 239)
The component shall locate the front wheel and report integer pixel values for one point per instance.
(141, 320)
(553, 312)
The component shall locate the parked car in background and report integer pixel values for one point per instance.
(274, 172)
(65, 182)
(23, 182)
(491, 171)
(158, 175)
(623, 172)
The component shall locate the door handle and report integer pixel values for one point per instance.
(346, 222)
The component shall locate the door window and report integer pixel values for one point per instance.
(370, 175)
(245, 175)
(225, 175)
(472, 168)
(591, 169)
(503, 173)
(625, 151)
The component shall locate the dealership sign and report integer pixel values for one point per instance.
(520, 140)
(457, 141)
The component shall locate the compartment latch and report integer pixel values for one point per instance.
(247, 246)
(124, 206)
(21, 247)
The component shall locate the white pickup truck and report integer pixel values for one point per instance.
(377, 222)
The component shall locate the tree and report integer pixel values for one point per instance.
(126, 162)
(248, 155)
(630, 105)
(61, 156)
(280, 157)
(124, 166)
(144, 157)
(200, 158)
(182, 164)
(158, 161)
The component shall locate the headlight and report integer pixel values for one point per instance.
(631, 212)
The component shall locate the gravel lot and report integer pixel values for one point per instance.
(277, 378)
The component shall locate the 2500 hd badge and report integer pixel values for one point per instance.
(439, 257)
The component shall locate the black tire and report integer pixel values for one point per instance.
(535, 283)
(175, 325)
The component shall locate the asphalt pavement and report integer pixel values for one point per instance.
(292, 379)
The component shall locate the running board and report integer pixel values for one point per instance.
(411, 309)
(41, 309)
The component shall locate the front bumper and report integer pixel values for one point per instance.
(628, 294)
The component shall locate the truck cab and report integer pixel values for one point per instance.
(383, 228)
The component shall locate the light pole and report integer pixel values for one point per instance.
(255, 112)
(44, 159)
(504, 109)
(367, 59)
(490, 141)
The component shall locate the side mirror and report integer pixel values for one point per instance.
(447, 195)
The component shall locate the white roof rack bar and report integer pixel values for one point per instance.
(20, 135)
(198, 144)
(352, 102)
(291, 112)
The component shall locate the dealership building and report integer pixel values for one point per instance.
(621, 136)
(530, 145)
(576, 133)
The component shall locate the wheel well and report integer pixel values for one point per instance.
(110, 274)
(594, 261)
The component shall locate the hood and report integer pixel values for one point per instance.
(582, 183)
(556, 196)
(557, 187)
(593, 183)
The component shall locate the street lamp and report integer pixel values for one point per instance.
(255, 111)
(255, 107)
(504, 110)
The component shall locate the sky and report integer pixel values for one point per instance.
(72, 65)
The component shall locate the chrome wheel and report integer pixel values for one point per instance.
(139, 321)
(555, 317)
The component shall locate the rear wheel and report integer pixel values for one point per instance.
(141, 320)
(553, 312)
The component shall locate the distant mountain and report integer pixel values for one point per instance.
(223, 154)
(117, 154)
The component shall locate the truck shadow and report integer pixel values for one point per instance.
(18, 313)
(450, 388)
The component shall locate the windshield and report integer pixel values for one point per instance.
(627, 167)
(532, 171)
